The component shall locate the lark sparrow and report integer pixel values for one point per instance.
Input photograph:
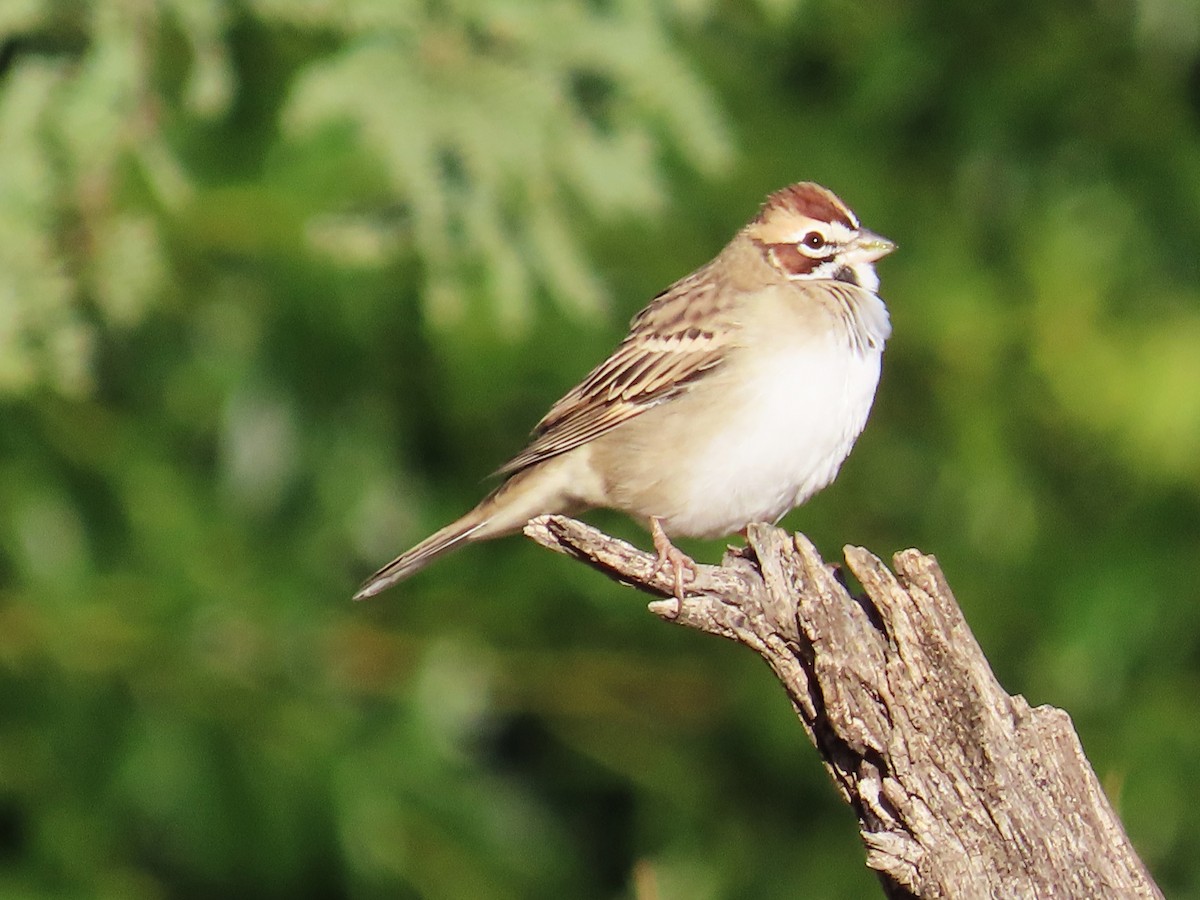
(736, 395)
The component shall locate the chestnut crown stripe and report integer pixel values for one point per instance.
(810, 200)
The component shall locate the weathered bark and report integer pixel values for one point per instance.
(960, 789)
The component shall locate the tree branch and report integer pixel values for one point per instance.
(960, 789)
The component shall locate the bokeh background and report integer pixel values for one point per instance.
(282, 281)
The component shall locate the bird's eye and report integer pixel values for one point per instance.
(814, 240)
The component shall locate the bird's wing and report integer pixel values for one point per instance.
(676, 340)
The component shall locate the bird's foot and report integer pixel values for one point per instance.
(671, 556)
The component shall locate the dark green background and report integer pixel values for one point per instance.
(281, 283)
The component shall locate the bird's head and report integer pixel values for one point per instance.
(807, 233)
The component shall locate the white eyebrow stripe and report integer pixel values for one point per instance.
(834, 232)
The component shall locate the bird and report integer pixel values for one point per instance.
(736, 395)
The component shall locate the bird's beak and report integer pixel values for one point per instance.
(871, 246)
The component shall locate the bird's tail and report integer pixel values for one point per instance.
(548, 487)
(412, 561)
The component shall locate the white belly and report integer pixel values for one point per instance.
(800, 415)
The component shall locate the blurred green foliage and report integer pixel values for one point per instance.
(281, 281)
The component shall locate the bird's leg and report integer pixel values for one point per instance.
(670, 555)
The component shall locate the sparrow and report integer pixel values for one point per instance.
(735, 397)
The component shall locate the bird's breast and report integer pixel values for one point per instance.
(772, 433)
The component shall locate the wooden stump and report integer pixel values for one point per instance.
(960, 789)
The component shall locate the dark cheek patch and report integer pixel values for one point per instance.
(791, 260)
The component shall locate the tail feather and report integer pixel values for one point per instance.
(412, 561)
(547, 487)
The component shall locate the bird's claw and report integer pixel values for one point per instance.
(670, 556)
